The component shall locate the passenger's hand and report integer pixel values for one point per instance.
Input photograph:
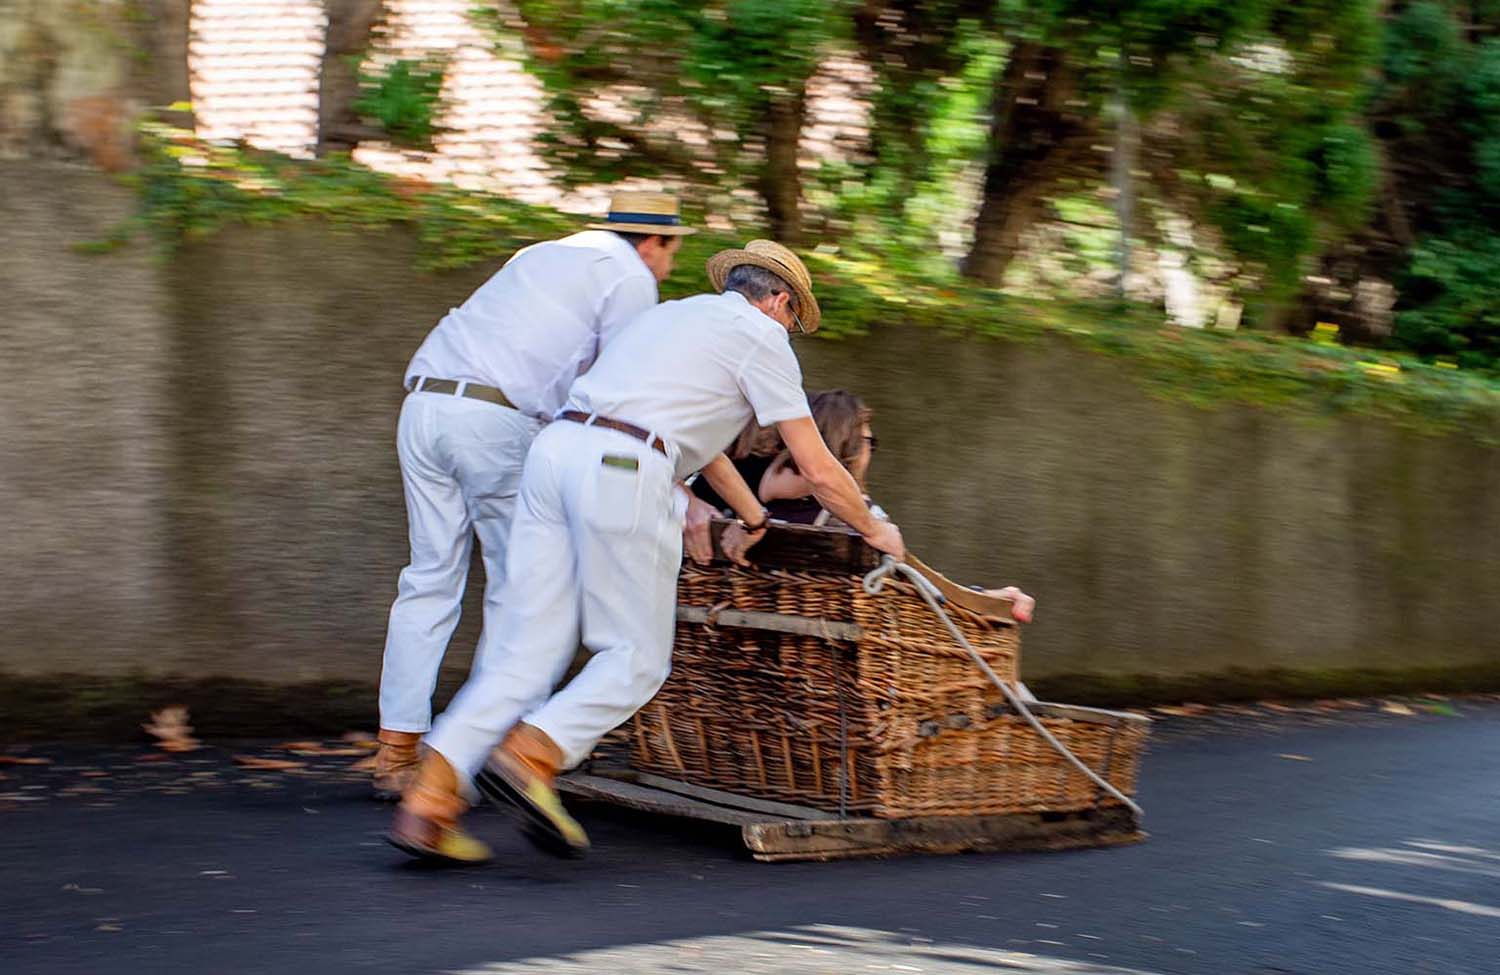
(736, 542)
(696, 538)
(886, 537)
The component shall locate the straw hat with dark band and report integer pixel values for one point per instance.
(644, 213)
(779, 261)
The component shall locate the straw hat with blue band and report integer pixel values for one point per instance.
(632, 212)
(779, 261)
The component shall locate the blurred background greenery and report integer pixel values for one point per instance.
(1294, 150)
(1328, 169)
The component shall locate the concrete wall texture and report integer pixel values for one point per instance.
(198, 478)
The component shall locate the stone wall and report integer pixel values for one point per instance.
(1163, 538)
(83, 447)
(198, 477)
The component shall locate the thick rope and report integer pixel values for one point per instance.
(875, 581)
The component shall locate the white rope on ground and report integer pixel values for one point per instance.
(875, 581)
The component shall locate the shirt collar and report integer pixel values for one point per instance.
(735, 296)
(623, 246)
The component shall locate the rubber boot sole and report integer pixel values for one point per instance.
(537, 826)
(477, 852)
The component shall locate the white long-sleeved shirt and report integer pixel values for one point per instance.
(540, 321)
(695, 371)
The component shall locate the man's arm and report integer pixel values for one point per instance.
(834, 487)
(725, 478)
(697, 540)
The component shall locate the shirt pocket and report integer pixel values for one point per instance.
(614, 494)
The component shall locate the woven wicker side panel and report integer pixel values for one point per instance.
(1004, 766)
(916, 658)
(762, 714)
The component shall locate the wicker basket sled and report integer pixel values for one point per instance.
(796, 691)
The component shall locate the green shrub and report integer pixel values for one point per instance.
(404, 98)
(1452, 287)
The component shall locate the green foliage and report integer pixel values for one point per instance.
(189, 189)
(1272, 138)
(404, 97)
(1348, 174)
(1423, 58)
(689, 84)
(1452, 292)
(910, 205)
(1440, 95)
(754, 47)
(1482, 95)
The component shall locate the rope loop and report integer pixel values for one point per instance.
(875, 581)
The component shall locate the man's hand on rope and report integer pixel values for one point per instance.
(886, 537)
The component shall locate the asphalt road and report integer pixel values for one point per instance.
(1353, 843)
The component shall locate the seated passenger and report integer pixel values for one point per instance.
(767, 467)
(769, 470)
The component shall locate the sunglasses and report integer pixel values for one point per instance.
(791, 306)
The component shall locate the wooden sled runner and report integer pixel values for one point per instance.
(776, 832)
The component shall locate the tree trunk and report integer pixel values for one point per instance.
(781, 181)
(350, 23)
(1033, 134)
(1121, 166)
(168, 82)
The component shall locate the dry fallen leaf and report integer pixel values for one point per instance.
(1295, 758)
(268, 764)
(1181, 711)
(1338, 704)
(24, 760)
(318, 748)
(170, 728)
(1396, 707)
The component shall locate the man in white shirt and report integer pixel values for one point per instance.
(485, 381)
(597, 542)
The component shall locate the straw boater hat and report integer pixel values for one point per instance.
(632, 212)
(779, 261)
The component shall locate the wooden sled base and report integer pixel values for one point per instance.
(774, 831)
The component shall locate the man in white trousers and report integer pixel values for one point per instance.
(485, 381)
(597, 543)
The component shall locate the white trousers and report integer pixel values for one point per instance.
(595, 550)
(461, 462)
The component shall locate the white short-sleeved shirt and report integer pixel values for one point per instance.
(694, 371)
(540, 321)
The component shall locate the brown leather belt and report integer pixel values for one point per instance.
(427, 384)
(629, 429)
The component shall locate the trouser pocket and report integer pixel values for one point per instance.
(613, 497)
